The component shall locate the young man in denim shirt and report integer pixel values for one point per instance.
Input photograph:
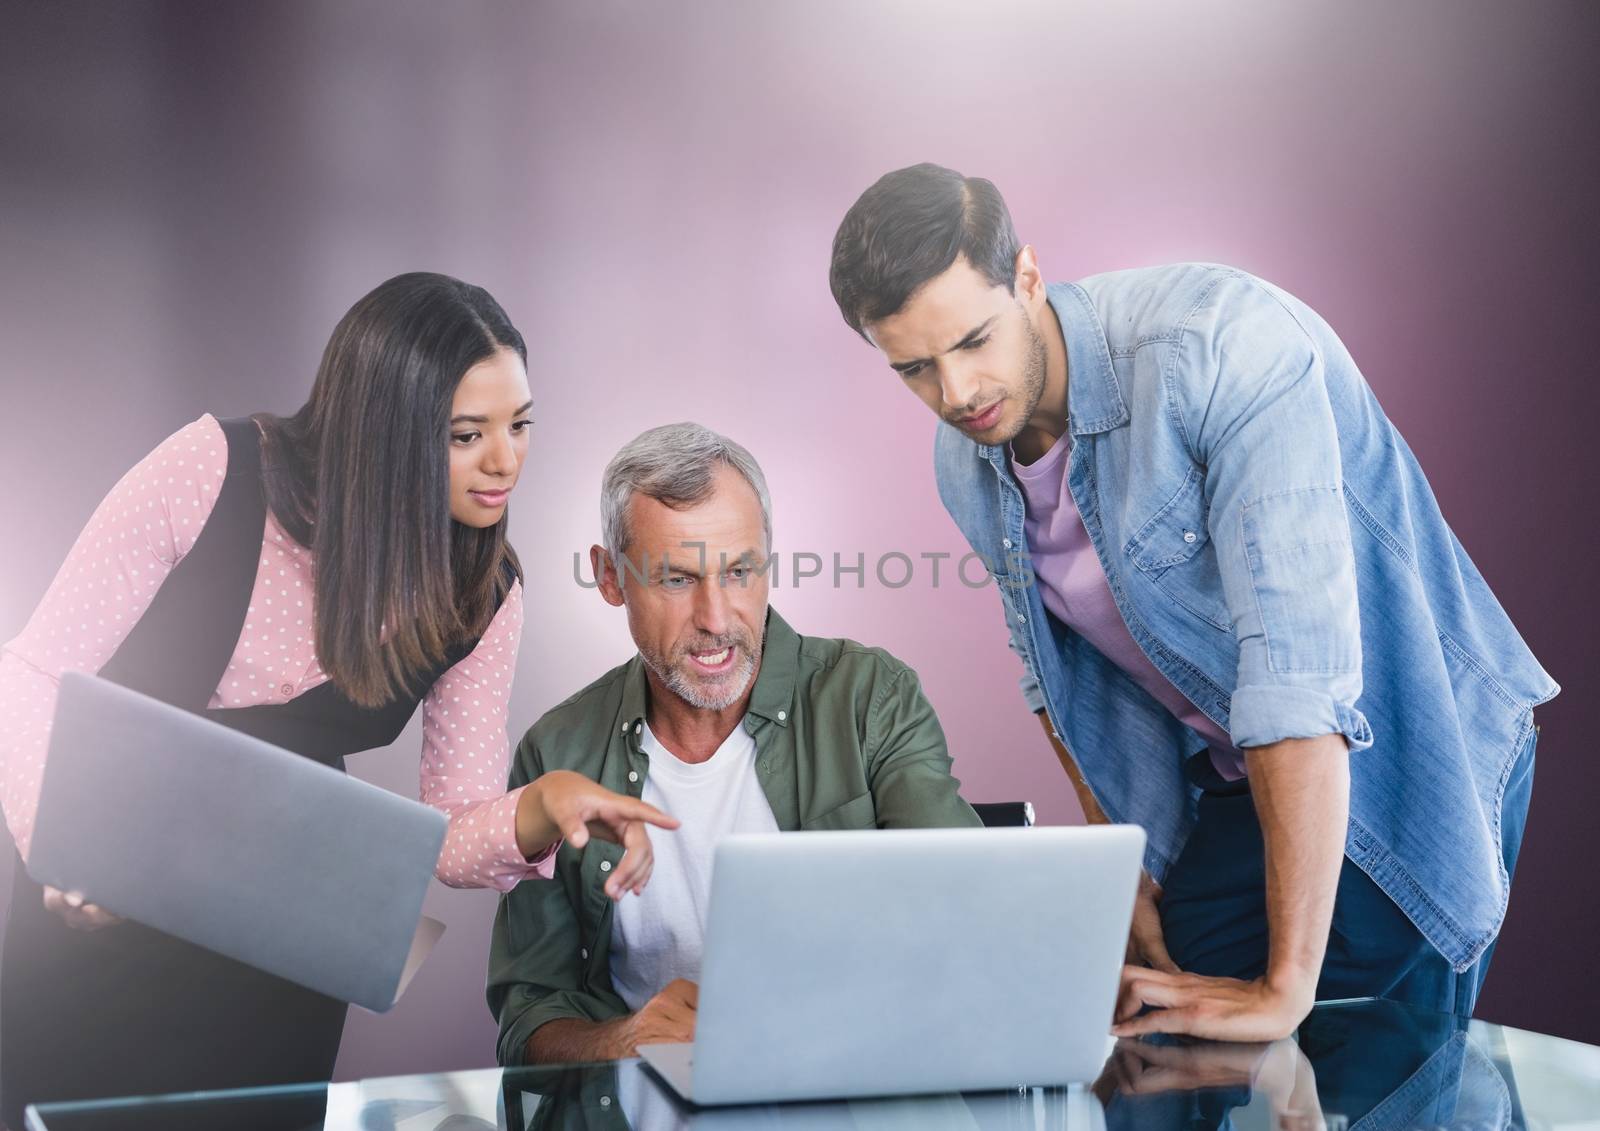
(1243, 621)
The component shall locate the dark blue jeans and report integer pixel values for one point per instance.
(1215, 917)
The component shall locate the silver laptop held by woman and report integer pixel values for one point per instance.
(234, 844)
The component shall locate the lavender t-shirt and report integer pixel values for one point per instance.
(1074, 588)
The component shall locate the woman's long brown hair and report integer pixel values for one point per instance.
(361, 476)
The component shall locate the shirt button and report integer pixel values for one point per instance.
(637, 727)
(605, 865)
(605, 1101)
(633, 775)
(1188, 536)
(1021, 619)
(624, 728)
(584, 953)
(782, 715)
(1006, 542)
(287, 689)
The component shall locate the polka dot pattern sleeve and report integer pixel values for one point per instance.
(466, 755)
(143, 527)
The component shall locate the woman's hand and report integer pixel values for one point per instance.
(562, 804)
(75, 912)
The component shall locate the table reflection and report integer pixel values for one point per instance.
(1367, 1065)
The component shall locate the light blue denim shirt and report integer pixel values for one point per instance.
(1278, 555)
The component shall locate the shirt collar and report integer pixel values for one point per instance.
(1094, 399)
(773, 695)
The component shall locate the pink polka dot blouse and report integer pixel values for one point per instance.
(140, 531)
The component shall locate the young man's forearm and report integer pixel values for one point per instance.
(1301, 788)
(574, 1040)
(1091, 808)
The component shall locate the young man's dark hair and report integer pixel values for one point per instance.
(910, 226)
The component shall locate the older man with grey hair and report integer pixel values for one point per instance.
(728, 719)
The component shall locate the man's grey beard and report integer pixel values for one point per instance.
(724, 693)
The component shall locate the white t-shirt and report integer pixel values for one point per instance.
(658, 936)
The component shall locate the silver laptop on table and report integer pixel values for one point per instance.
(842, 964)
(234, 844)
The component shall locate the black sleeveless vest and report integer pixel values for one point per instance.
(181, 645)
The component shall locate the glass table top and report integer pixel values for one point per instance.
(1352, 1066)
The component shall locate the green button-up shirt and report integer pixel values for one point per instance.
(844, 739)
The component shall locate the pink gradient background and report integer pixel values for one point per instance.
(193, 194)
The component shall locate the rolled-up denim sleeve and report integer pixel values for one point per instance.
(1255, 407)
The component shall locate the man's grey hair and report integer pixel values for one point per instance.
(674, 464)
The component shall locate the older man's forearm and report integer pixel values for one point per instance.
(1301, 788)
(572, 1040)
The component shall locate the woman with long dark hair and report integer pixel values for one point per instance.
(309, 580)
